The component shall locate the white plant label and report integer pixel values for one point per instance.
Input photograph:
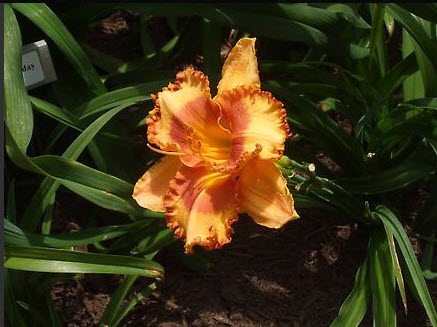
(36, 65)
(32, 69)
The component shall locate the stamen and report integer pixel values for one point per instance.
(170, 153)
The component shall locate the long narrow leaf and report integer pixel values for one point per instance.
(67, 118)
(395, 76)
(402, 175)
(415, 30)
(105, 199)
(425, 10)
(354, 307)
(322, 130)
(376, 34)
(125, 96)
(391, 222)
(397, 267)
(64, 261)
(64, 168)
(37, 206)
(275, 27)
(412, 85)
(139, 296)
(382, 281)
(117, 298)
(16, 236)
(18, 111)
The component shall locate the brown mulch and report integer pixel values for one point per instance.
(297, 276)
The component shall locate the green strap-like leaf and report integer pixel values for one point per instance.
(156, 240)
(52, 166)
(64, 168)
(38, 204)
(396, 267)
(64, 261)
(396, 75)
(410, 171)
(392, 224)
(354, 307)
(117, 298)
(67, 118)
(16, 236)
(106, 200)
(327, 191)
(426, 103)
(427, 11)
(31, 217)
(416, 31)
(137, 298)
(124, 96)
(18, 110)
(376, 35)
(320, 129)
(273, 26)
(382, 281)
(319, 18)
(413, 85)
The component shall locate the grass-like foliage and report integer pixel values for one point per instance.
(328, 63)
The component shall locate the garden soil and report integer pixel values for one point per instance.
(297, 276)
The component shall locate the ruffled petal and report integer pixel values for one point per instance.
(264, 195)
(201, 206)
(240, 67)
(150, 189)
(185, 120)
(257, 122)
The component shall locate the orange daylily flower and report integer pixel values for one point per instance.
(220, 153)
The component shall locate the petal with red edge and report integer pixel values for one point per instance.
(240, 67)
(185, 119)
(201, 206)
(150, 189)
(257, 122)
(264, 195)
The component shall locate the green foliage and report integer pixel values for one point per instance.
(53, 27)
(354, 307)
(20, 119)
(397, 131)
(361, 90)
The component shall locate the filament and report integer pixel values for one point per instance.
(170, 153)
